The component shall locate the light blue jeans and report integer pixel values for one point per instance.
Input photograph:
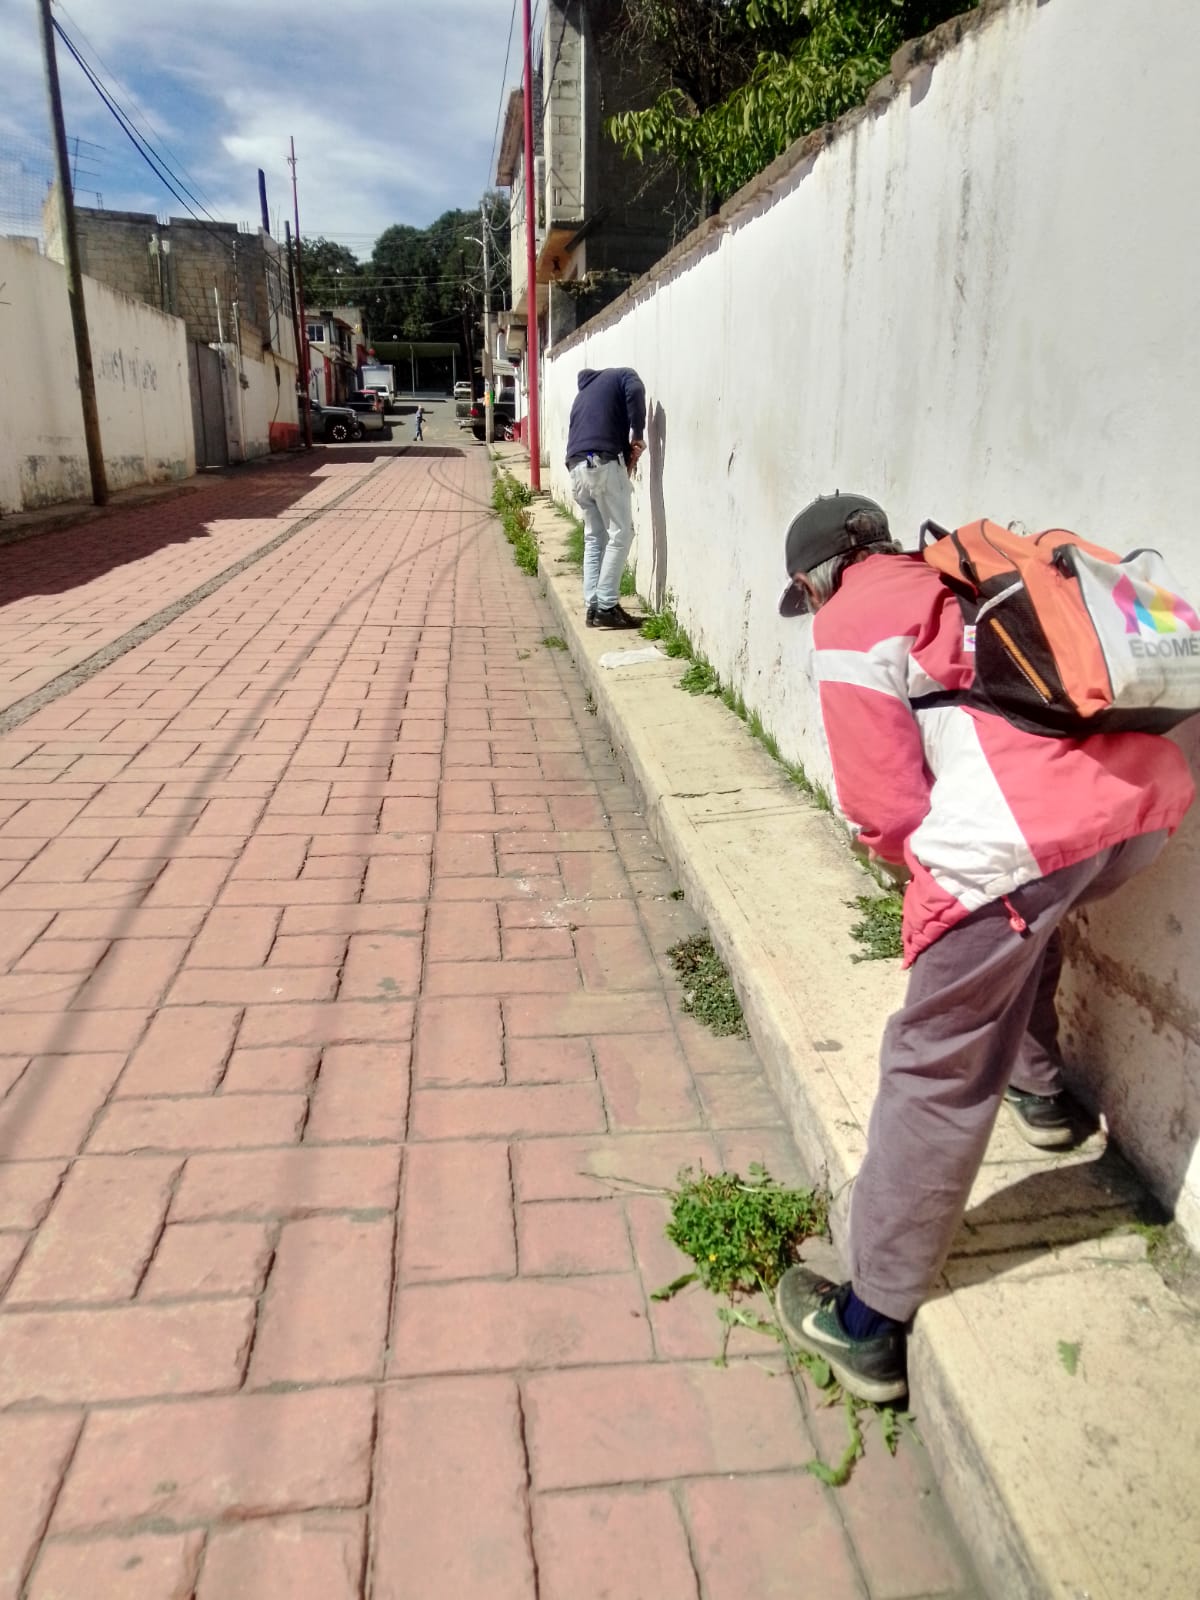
(605, 498)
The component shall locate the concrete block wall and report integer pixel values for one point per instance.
(562, 64)
(205, 256)
(118, 248)
(976, 297)
(118, 251)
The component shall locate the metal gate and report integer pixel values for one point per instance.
(208, 406)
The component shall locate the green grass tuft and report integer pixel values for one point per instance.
(701, 678)
(742, 1234)
(708, 995)
(879, 930)
(553, 642)
(664, 626)
(510, 500)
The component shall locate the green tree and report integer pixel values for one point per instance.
(800, 63)
(332, 273)
(427, 283)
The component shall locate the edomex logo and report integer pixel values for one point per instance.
(1161, 623)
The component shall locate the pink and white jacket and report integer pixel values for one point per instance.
(973, 806)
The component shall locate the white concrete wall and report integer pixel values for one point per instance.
(140, 361)
(981, 298)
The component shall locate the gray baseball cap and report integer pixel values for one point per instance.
(831, 525)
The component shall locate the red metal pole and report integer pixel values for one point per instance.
(531, 335)
(302, 353)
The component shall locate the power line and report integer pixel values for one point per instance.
(143, 149)
(117, 83)
(512, 22)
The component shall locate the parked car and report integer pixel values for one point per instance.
(503, 414)
(367, 404)
(462, 390)
(335, 424)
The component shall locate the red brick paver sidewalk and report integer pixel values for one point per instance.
(340, 1064)
(65, 595)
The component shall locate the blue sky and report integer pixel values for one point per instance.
(393, 105)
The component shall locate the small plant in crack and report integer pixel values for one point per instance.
(879, 929)
(708, 992)
(743, 1234)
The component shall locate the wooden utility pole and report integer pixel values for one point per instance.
(531, 324)
(302, 352)
(66, 199)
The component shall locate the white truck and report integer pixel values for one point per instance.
(382, 377)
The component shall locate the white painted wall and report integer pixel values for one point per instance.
(140, 360)
(982, 299)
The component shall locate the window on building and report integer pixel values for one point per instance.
(316, 332)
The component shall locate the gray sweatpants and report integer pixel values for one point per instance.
(978, 1014)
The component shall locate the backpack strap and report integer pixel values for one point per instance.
(939, 698)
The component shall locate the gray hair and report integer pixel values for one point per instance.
(827, 577)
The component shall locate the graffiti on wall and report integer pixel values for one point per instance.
(130, 371)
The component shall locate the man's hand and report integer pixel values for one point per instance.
(635, 454)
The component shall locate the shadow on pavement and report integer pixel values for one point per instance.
(62, 557)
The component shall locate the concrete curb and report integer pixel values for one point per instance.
(1069, 1481)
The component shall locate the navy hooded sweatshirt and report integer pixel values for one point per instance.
(609, 408)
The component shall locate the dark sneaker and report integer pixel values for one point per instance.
(1044, 1120)
(591, 615)
(614, 617)
(808, 1306)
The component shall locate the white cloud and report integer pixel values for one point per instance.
(393, 107)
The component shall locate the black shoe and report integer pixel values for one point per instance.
(809, 1309)
(1044, 1120)
(614, 617)
(591, 615)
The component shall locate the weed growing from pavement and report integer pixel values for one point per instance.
(879, 929)
(708, 992)
(511, 501)
(553, 642)
(664, 627)
(1068, 1354)
(700, 678)
(1169, 1253)
(743, 1234)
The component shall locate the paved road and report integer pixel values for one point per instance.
(339, 1064)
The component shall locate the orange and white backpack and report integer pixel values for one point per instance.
(1069, 638)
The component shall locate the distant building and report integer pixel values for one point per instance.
(231, 290)
(601, 219)
(335, 351)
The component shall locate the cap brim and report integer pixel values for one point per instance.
(793, 602)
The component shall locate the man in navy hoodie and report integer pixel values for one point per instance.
(604, 443)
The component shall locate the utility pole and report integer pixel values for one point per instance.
(66, 198)
(302, 352)
(531, 329)
(296, 325)
(489, 426)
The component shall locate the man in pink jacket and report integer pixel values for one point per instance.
(1003, 833)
